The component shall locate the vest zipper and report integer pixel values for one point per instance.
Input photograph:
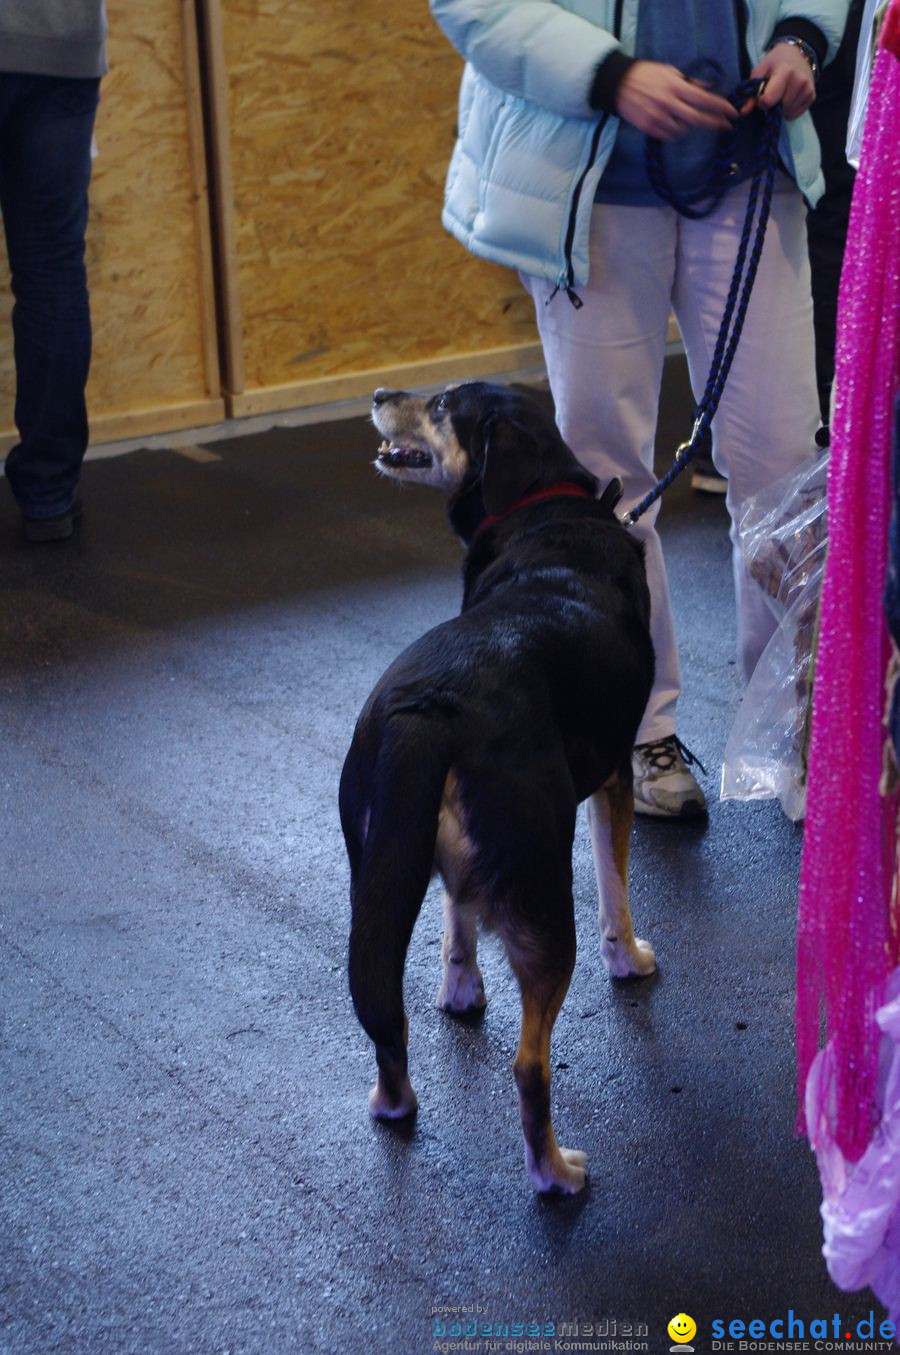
(568, 277)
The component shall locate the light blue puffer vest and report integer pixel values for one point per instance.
(530, 150)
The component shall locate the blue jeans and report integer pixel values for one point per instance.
(46, 124)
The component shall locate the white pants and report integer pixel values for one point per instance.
(605, 367)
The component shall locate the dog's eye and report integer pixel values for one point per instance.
(440, 405)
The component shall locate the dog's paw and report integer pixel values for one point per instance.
(385, 1107)
(462, 990)
(565, 1172)
(624, 960)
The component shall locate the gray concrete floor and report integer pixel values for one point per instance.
(188, 1161)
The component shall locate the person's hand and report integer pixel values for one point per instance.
(789, 81)
(658, 100)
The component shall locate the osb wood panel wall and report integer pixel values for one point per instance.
(341, 123)
(155, 362)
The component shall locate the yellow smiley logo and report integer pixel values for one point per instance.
(682, 1329)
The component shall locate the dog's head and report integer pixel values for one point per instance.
(476, 438)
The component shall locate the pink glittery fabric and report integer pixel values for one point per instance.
(847, 944)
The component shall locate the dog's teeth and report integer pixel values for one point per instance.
(385, 447)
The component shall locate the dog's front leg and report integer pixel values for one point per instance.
(610, 812)
(462, 988)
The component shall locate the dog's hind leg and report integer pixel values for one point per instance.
(353, 801)
(543, 963)
(392, 1097)
(376, 985)
(610, 812)
(389, 883)
(462, 987)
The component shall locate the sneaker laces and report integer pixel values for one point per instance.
(663, 754)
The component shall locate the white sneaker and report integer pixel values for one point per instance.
(663, 785)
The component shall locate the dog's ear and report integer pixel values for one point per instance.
(612, 494)
(512, 462)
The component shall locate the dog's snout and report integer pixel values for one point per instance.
(381, 395)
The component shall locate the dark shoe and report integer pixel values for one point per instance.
(663, 785)
(706, 478)
(57, 528)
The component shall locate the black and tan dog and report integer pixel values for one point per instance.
(478, 743)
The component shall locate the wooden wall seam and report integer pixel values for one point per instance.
(219, 125)
(201, 196)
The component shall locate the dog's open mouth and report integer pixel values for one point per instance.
(409, 458)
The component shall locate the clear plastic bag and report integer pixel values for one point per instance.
(783, 537)
(865, 56)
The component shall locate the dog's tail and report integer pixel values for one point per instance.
(394, 863)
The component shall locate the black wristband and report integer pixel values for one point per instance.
(607, 78)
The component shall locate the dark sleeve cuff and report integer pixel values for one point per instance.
(607, 79)
(809, 32)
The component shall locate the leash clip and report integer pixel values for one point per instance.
(684, 449)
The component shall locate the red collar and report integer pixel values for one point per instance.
(562, 489)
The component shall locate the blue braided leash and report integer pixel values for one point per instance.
(761, 186)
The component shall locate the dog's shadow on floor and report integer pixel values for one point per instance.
(629, 992)
(403, 1131)
(556, 1211)
(474, 1019)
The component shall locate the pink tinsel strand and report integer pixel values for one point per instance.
(846, 945)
